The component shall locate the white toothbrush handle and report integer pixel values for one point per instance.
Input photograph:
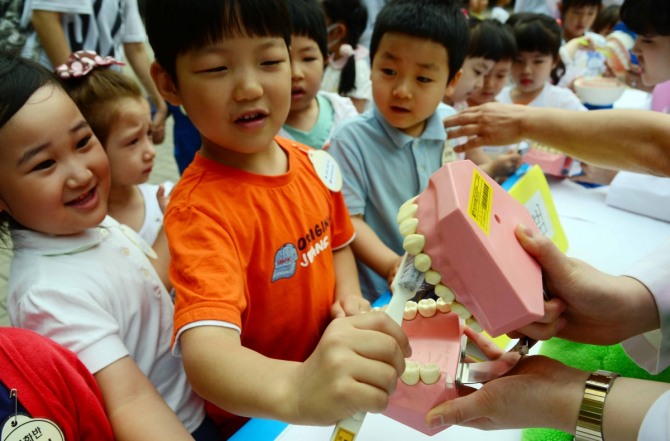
(347, 429)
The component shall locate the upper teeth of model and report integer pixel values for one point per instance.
(414, 244)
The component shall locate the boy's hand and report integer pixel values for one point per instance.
(506, 164)
(354, 368)
(394, 269)
(348, 306)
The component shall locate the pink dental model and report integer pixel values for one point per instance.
(461, 232)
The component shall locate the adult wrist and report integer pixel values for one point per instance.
(592, 408)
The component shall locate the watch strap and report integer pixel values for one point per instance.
(590, 419)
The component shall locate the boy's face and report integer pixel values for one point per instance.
(306, 71)
(653, 54)
(577, 20)
(494, 81)
(129, 146)
(531, 70)
(477, 6)
(409, 78)
(54, 174)
(474, 70)
(237, 93)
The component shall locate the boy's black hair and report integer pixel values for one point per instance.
(175, 27)
(646, 17)
(440, 21)
(567, 4)
(607, 18)
(536, 33)
(491, 40)
(308, 20)
(354, 15)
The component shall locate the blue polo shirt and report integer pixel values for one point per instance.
(382, 168)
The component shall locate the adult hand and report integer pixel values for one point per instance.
(487, 125)
(587, 305)
(537, 392)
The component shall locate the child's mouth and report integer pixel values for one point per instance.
(83, 199)
(250, 118)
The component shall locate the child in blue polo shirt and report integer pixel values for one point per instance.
(388, 153)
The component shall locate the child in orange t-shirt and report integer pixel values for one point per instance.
(267, 295)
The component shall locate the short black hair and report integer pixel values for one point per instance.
(646, 17)
(567, 4)
(535, 32)
(175, 27)
(440, 21)
(309, 20)
(491, 40)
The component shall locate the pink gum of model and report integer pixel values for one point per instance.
(491, 274)
(434, 340)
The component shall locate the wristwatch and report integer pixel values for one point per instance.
(590, 419)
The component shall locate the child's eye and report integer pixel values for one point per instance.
(134, 141)
(272, 62)
(424, 80)
(387, 71)
(215, 69)
(309, 59)
(44, 165)
(83, 142)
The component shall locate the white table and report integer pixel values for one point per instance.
(606, 237)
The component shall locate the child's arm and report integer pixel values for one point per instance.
(353, 368)
(348, 297)
(369, 249)
(500, 167)
(134, 407)
(162, 263)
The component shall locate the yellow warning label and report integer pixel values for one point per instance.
(344, 435)
(479, 205)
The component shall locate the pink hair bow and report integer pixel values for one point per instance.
(81, 63)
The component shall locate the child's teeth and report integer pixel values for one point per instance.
(429, 373)
(433, 277)
(474, 325)
(422, 262)
(407, 211)
(411, 375)
(460, 310)
(408, 226)
(411, 308)
(427, 307)
(442, 305)
(445, 293)
(414, 243)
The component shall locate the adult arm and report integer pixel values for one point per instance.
(134, 406)
(138, 58)
(353, 368)
(50, 32)
(634, 140)
(543, 392)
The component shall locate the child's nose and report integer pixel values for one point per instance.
(79, 175)
(149, 152)
(401, 90)
(247, 88)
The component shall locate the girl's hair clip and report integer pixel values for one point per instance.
(346, 50)
(81, 63)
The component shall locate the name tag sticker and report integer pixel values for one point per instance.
(327, 169)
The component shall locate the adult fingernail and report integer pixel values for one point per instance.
(436, 421)
(526, 230)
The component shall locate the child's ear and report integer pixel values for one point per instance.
(339, 31)
(451, 85)
(165, 84)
